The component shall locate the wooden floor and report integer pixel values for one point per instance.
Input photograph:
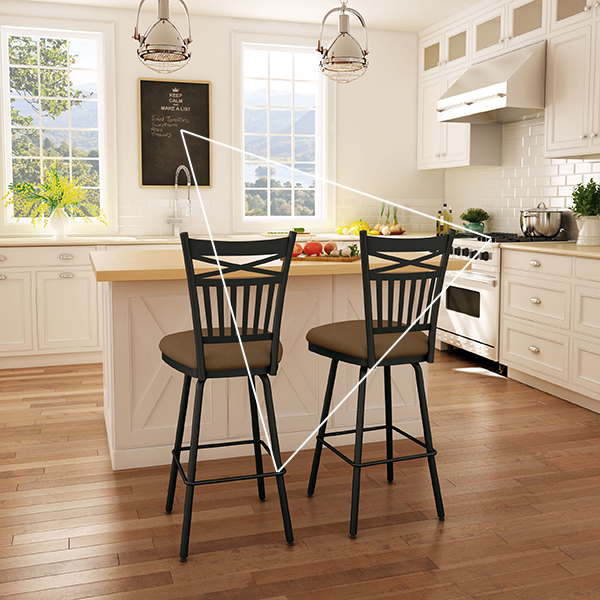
(520, 473)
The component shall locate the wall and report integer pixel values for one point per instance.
(525, 178)
(376, 119)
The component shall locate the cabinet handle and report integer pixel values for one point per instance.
(66, 275)
(534, 349)
(2, 257)
(582, 136)
(535, 263)
(2, 276)
(535, 300)
(65, 256)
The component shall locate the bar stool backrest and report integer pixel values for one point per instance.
(256, 294)
(401, 290)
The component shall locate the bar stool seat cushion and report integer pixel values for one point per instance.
(350, 338)
(180, 347)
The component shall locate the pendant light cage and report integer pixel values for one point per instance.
(163, 48)
(343, 60)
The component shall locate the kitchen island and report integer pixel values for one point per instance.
(145, 297)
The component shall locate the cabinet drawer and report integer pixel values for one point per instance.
(530, 348)
(537, 262)
(585, 366)
(587, 268)
(542, 300)
(46, 256)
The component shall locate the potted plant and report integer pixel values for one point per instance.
(474, 218)
(586, 208)
(55, 201)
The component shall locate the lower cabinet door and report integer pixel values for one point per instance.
(585, 366)
(15, 312)
(536, 350)
(67, 308)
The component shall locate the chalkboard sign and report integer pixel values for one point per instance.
(165, 108)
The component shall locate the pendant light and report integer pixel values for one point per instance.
(162, 47)
(343, 60)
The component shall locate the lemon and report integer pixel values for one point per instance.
(373, 232)
(340, 229)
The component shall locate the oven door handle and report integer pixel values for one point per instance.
(468, 277)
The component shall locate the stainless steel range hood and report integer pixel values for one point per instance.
(499, 90)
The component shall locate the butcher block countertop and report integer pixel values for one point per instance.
(164, 264)
(562, 248)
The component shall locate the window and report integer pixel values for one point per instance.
(54, 115)
(284, 120)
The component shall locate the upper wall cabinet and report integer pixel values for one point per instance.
(507, 26)
(570, 12)
(449, 49)
(573, 93)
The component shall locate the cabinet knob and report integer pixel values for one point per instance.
(2, 257)
(586, 8)
(582, 136)
(437, 154)
(535, 300)
(443, 154)
(509, 37)
(65, 256)
(534, 349)
(66, 275)
(2, 276)
(535, 263)
(592, 135)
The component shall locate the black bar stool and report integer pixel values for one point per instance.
(399, 287)
(213, 351)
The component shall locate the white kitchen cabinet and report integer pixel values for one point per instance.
(446, 50)
(15, 311)
(445, 145)
(556, 339)
(67, 309)
(570, 95)
(49, 306)
(489, 33)
(567, 13)
(527, 22)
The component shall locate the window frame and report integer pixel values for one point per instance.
(325, 150)
(104, 32)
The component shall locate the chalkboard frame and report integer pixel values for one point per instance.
(145, 148)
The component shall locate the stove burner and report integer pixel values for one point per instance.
(502, 238)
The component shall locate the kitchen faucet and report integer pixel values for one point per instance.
(176, 220)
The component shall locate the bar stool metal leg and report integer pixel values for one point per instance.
(360, 423)
(191, 475)
(285, 511)
(389, 445)
(439, 505)
(256, 436)
(324, 414)
(183, 405)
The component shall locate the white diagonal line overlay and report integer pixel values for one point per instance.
(344, 187)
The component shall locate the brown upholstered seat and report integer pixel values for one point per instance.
(180, 347)
(350, 338)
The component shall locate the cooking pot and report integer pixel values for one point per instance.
(540, 221)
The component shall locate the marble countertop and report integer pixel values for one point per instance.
(562, 248)
(9, 242)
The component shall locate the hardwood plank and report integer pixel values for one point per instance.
(521, 491)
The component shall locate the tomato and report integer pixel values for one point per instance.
(330, 247)
(297, 251)
(313, 248)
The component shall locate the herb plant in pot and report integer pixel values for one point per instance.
(56, 201)
(475, 218)
(586, 208)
